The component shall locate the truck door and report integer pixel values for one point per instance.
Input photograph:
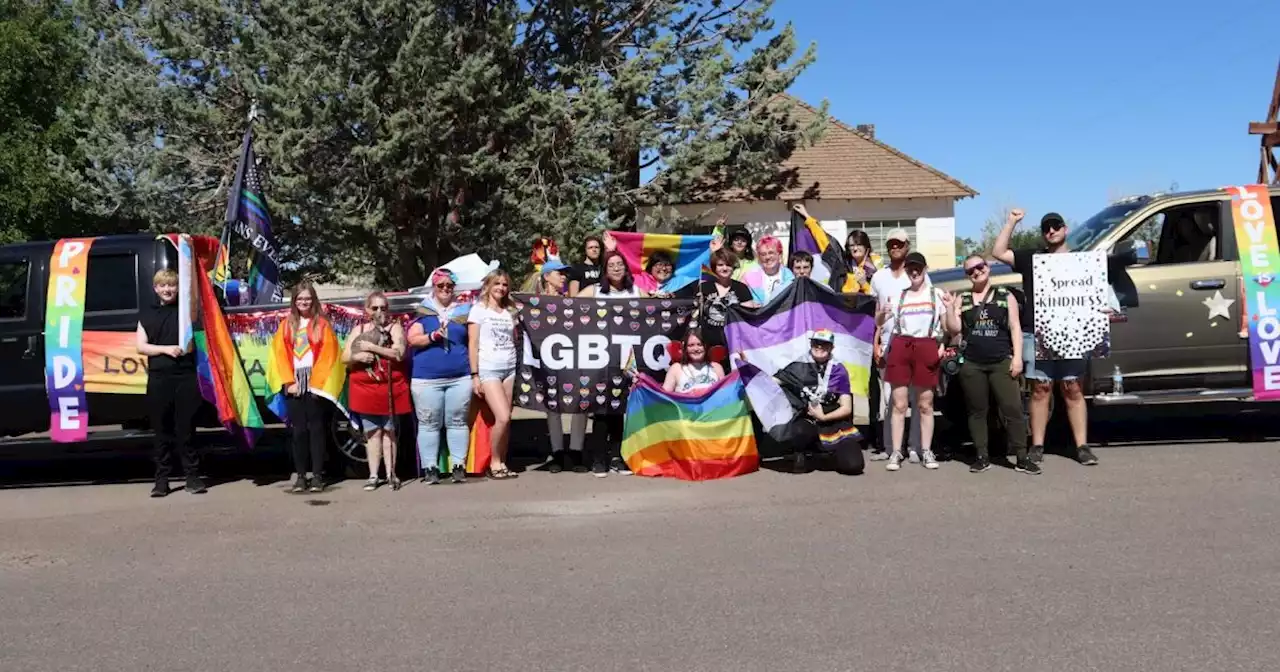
(1184, 332)
(22, 388)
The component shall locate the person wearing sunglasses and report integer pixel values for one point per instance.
(887, 284)
(986, 319)
(1044, 373)
(913, 363)
(377, 388)
(441, 386)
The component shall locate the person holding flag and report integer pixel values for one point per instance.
(827, 260)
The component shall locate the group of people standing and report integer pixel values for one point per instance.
(442, 363)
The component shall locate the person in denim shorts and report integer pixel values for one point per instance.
(1067, 373)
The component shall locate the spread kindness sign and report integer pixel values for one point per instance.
(1071, 304)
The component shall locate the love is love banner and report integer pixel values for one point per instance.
(574, 352)
(1255, 227)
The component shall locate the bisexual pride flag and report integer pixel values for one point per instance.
(775, 335)
(690, 253)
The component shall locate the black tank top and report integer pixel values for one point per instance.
(986, 326)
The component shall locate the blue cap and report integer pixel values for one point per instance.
(553, 265)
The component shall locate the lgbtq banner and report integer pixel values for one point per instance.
(64, 324)
(1255, 228)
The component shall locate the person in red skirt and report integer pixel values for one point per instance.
(377, 387)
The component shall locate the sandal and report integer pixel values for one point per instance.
(502, 474)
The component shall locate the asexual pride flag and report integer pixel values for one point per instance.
(778, 334)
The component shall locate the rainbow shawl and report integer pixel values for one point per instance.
(328, 374)
(223, 381)
(692, 256)
(693, 437)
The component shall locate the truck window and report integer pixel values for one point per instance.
(14, 276)
(113, 283)
(1181, 234)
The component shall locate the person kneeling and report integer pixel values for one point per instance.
(818, 386)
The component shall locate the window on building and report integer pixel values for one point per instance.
(878, 231)
(113, 283)
(13, 289)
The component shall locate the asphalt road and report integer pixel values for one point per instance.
(1161, 558)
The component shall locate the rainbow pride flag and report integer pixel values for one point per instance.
(223, 381)
(692, 437)
(691, 253)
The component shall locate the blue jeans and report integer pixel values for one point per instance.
(443, 402)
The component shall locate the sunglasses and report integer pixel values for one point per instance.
(894, 244)
(377, 309)
(1052, 226)
(974, 270)
(445, 285)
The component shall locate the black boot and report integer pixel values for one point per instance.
(195, 485)
(161, 488)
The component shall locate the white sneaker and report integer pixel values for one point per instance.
(930, 462)
(895, 462)
(913, 457)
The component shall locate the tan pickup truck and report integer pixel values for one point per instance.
(1180, 257)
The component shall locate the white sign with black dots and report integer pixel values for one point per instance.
(1071, 320)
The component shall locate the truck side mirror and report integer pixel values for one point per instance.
(1132, 252)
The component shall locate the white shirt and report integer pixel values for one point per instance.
(303, 357)
(497, 343)
(884, 286)
(921, 314)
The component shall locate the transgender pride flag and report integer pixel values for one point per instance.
(776, 335)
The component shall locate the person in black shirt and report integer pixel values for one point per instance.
(1066, 372)
(173, 392)
(987, 320)
(587, 273)
(717, 295)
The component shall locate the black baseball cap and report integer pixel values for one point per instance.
(742, 233)
(915, 259)
(1051, 220)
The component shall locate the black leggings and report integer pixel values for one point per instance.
(307, 420)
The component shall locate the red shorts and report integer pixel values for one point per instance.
(912, 361)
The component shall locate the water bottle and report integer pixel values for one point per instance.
(1117, 381)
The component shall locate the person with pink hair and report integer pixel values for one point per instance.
(770, 277)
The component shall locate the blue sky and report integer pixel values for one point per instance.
(1049, 106)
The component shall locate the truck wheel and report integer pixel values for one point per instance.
(348, 455)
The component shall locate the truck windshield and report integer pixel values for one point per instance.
(1082, 237)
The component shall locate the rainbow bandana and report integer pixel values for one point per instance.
(1255, 227)
(63, 355)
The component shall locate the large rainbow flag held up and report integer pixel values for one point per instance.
(773, 336)
(223, 381)
(692, 437)
(691, 254)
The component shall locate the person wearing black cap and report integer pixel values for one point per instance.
(1043, 373)
(740, 245)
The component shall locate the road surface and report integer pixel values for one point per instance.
(1161, 558)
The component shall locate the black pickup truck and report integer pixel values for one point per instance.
(119, 274)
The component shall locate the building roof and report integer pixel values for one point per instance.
(845, 163)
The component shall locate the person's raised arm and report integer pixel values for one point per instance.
(952, 317)
(1000, 249)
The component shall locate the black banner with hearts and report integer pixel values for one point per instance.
(573, 351)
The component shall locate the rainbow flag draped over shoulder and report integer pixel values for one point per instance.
(223, 381)
(692, 437)
(328, 373)
(691, 253)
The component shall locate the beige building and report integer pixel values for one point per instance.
(848, 180)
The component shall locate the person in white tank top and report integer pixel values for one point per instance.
(694, 372)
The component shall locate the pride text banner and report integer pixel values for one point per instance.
(64, 322)
(1255, 228)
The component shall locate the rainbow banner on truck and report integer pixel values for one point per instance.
(64, 324)
(1255, 228)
